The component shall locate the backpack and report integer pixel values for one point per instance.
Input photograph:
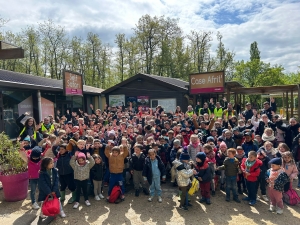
(291, 197)
(115, 195)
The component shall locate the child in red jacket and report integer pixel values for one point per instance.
(251, 170)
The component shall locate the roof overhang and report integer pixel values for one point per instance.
(10, 51)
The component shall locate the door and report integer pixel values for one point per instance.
(63, 106)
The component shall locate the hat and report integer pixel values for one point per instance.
(220, 139)
(36, 152)
(201, 155)
(27, 139)
(182, 130)
(223, 144)
(247, 134)
(210, 138)
(70, 122)
(266, 103)
(111, 141)
(225, 130)
(276, 161)
(176, 142)
(81, 155)
(184, 155)
(248, 103)
(235, 129)
(112, 132)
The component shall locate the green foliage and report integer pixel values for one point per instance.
(10, 161)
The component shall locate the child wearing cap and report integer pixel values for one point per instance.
(276, 178)
(183, 177)
(81, 168)
(203, 173)
(251, 170)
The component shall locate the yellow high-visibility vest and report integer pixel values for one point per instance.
(51, 129)
(190, 114)
(34, 133)
(218, 112)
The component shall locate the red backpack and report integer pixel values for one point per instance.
(115, 195)
(291, 197)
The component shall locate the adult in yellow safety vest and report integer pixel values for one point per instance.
(190, 111)
(205, 109)
(218, 111)
(229, 111)
(46, 126)
(28, 128)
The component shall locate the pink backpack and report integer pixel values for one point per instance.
(291, 197)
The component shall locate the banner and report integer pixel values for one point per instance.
(116, 100)
(207, 82)
(47, 108)
(143, 102)
(26, 106)
(72, 83)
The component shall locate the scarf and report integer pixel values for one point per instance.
(272, 151)
(240, 156)
(268, 138)
(195, 145)
(249, 165)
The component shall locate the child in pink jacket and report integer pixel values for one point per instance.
(290, 168)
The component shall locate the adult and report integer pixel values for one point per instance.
(248, 113)
(205, 109)
(267, 110)
(291, 130)
(262, 124)
(190, 112)
(218, 110)
(229, 112)
(28, 128)
(46, 126)
(197, 108)
(273, 105)
(211, 104)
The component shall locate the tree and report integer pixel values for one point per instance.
(120, 41)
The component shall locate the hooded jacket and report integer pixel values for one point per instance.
(147, 170)
(231, 167)
(204, 172)
(183, 174)
(254, 170)
(82, 172)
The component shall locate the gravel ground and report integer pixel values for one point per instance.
(137, 210)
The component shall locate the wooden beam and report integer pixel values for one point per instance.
(287, 106)
(14, 53)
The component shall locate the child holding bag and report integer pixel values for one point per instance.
(48, 183)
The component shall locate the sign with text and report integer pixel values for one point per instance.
(207, 82)
(26, 106)
(73, 83)
(47, 108)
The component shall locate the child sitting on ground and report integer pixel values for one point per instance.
(203, 173)
(97, 173)
(251, 169)
(183, 178)
(116, 166)
(153, 170)
(231, 167)
(81, 168)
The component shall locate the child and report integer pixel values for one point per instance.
(116, 166)
(270, 151)
(251, 169)
(282, 147)
(203, 173)
(268, 135)
(275, 188)
(173, 169)
(153, 170)
(137, 162)
(48, 183)
(220, 157)
(34, 164)
(194, 147)
(241, 180)
(290, 168)
(65, 172)
(262, 156)
(97, 173)
(81, 169)
(211, 155)
(231, 167)
(183, 177)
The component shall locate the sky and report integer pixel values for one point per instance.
(273, 24)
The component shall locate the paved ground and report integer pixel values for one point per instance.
(139, 211)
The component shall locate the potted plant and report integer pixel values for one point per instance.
(13, 171)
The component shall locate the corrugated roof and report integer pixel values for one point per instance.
(173, 81)
(36, 82)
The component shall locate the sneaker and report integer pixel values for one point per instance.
(208, 201)
(150, 199)
(122, 197)
(101, 196)
(43, 216)
(237, 200)
(222, 187)
(279, 211)
(97, 198)
(245, 191)
(87, 202)
(227, 199)
(265, 198)
(75, 206)
(246, 199)
(257, 198)
(202, 200)
(183, 208)
(137, 193)
(252, 202)
(62, 214)
(272, 208)
(159, 199)
(240, 191)
(146, 192)
(35, 206)
(105, 184)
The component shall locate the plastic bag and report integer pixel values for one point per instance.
(195, 186)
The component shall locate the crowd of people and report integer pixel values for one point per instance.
(238, 153)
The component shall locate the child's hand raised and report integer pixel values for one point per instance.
(88, 155)
(76, 153)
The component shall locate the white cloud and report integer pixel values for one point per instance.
(273, 24)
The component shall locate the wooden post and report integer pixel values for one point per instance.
(244, 101)
(283, 104)
(292, 103)
(287, 106)
(228, 95)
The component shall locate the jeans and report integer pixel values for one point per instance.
(116, 179)
(106, 175)
(155, 186)
(241, 182)
(252, 190)
(231, 185)
(261, 182)
(33, 186)
(81, 184)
